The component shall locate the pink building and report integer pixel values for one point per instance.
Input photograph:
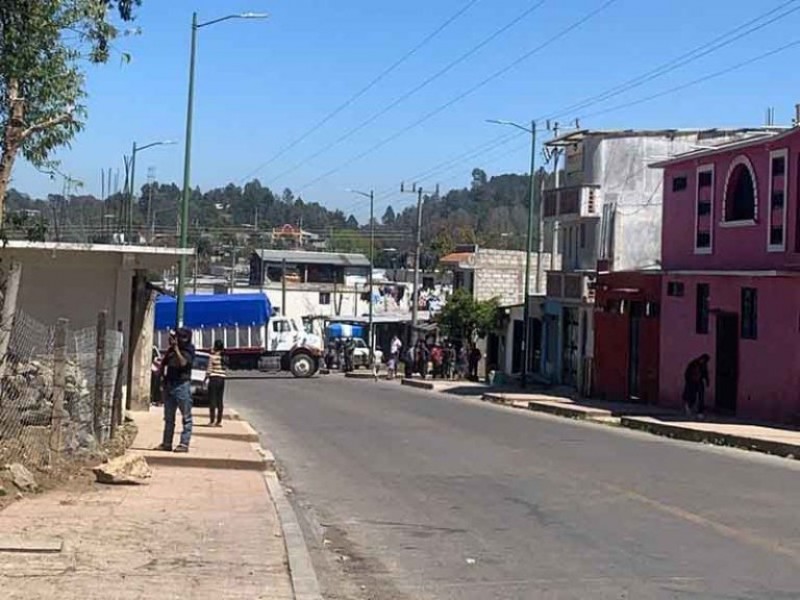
(731, 286)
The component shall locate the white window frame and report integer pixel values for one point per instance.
(707, 168)
(782, 153)
(741, 160)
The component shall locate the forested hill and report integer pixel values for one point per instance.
(491, 211)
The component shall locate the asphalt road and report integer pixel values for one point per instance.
(406, 494)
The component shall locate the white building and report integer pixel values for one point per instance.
(78, 281)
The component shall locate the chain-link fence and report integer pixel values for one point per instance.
(56, 390)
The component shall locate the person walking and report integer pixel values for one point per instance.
(695, 381)
(176, 373)
(216, 384)
(395, 347)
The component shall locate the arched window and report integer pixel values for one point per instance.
(740, 192)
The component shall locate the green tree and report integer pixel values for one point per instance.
(465, 318)
(389, 216)
(44, 46)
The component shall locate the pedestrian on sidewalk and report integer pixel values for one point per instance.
(395, 347)
(474, 359)
(176, 373)
(422, 356)
(461, 367)
(695, 381)
(216, 384)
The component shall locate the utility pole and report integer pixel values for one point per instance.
(526, 328)
(283, 287)
(417, 252)
(233, 268)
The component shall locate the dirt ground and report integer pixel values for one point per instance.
(70, 474)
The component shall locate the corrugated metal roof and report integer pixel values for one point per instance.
(313, 258)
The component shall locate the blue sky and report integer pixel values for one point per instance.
(261, 84)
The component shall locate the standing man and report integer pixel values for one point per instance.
(474, 359)
(176, 373)
(349, 350)
(695, 381)
(395, 348)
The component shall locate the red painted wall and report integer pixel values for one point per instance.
(612, 335)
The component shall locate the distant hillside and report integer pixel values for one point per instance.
(492, 211)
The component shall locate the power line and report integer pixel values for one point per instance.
(697, 81)
(464, 94)
(414, 90)
(347, 103)
(682, 60)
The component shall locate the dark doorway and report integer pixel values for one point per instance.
(726, 373)
(492, 352)
(535, 354)
(516, 348)
(634, 346)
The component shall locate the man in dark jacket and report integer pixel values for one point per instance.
(176, 373)
(695, 381)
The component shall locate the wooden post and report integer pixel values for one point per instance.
(9, 310)
(99, 378)
(59, 380)
(116, 408)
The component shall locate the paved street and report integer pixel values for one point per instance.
(412, 495)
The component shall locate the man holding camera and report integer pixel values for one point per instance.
(176, 375)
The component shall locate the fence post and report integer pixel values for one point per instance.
(99, 378)
(59, 380)
(116, 408)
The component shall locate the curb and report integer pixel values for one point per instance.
(301, 570)
(712, 437)
(360, 375)
(170, 459)
(422, 385)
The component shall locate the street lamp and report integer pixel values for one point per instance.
(371, 196)
(187, 161)
(132, 186)
(528, 247)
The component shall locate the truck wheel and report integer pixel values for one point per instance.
(302, 365)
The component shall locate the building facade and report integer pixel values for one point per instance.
(627, 336)
(602, 213)
(490, 273)
(731, 289)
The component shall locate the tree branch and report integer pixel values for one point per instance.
(46, 124)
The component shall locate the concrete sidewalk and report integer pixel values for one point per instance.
(199, 529)
(770, 439)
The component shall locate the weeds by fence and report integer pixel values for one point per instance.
(56, 390)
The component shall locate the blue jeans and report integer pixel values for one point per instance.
(178, 396)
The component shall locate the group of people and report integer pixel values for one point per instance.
(442, 360)
(175, 376)
(339, 353)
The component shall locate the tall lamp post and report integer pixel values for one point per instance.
(187, 160)
(528, 248)
(132, 182)
(371, 196)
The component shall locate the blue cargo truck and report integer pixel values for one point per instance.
(253, 337)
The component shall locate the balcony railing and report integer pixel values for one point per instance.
(570, 286)
(576, 200)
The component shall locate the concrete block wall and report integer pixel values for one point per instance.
(501, 274)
